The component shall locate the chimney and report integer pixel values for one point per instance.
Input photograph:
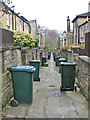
(68, 24)
(89, 6)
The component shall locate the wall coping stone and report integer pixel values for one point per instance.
(34, 48)
(75, 54)
(75, 47)
(9, 48)
(24, 49)
(68, 50)
(85, 59)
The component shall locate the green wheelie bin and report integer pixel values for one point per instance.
(61, 60)
(67, 76)
(44, 60)
(22, 79)
(49, 55)
(36, 64)
(56, 60)
(54, 56)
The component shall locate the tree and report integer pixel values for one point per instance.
(47, 45)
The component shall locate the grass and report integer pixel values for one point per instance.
(51, 86)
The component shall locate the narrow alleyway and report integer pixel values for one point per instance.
(48, 102)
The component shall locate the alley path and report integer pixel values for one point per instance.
(48, 102)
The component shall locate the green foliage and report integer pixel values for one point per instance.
(36, 42)
(57, 47)
(25, 40)
(47, 45)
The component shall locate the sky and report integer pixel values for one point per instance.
(51, 13)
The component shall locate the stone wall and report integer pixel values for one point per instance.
(87, 44)
(0, 82)
(12, 56)
(6, 38)
(30, 54)
(84, 74)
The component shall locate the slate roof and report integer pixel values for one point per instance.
(84, 15)
(21, 17)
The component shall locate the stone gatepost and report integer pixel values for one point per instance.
(75, 55)
(69, 56)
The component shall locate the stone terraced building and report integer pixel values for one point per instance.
(12, 21)
(77, 23)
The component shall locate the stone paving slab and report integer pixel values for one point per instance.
(48, 101)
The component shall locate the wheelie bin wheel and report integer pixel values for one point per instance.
(14, 103)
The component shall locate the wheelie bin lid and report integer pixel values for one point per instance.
(21, 68)
(34, 61)
(57, 57)
(44, 57)
(62, 59)
(66, 63)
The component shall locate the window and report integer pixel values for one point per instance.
(82, 32)
(8, 20)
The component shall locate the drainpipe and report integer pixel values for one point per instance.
(89, 21)
(78, 35)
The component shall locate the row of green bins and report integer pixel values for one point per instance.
(44, 60)
(46, 64)
(36, 64)
(22, 79)
(67, 76)
(56, 60)
(61, 60)
(49, 55)
(54, 56)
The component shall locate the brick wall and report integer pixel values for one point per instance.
(87, 44)
(82, 51)
(84, 74)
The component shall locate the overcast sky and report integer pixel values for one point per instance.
(51, 13)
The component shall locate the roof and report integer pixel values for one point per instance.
(24, 19)
(84, 23)
(21, 17)
(84, 15)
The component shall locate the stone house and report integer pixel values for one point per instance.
(61, 41)
(83, 29)
(77, 21)
(33, 24)
(64, 38)
(42, 32)
(43, 40)
(12, 21)
(39, 34)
